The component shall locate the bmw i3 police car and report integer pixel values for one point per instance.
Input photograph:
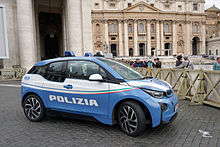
(96, 87)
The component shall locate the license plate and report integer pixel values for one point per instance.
(176, 107)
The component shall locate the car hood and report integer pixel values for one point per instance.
(151, 84)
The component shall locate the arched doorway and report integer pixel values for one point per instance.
(152, 51)
(195, 45)
(114, 50)
(51, 46)
(142, 49)
(131, 52)
(50, 29)
(167, 49)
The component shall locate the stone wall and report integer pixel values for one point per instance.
(213, 46)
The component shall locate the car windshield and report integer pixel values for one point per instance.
(123, 70)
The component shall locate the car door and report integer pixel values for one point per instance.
(54, 92)
(85, 96)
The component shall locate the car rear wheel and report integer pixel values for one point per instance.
(33, 108)
(131, 118)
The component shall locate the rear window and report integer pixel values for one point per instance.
(41, 70)
(51, 72)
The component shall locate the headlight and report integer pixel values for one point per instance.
(156, 94)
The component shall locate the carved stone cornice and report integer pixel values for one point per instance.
(204, 23)
(187, 22)
(120, 20)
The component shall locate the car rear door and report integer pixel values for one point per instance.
(53, 90)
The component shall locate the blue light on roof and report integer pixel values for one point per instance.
(69, 54)
(88, 55)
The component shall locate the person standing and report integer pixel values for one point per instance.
(138, 63)
(186, 64)
(157, 63)
(179, 60)
(216, 65)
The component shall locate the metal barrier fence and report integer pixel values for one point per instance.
(199, 86)
(12, 74)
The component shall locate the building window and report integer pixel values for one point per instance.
(210, 52)
(195, 7)
(167, 38)
(216, 52)
(152, 5)
(129, 28)
(130, 38)
(195, 28)
(96, 5)
(113, 38)
(167, 6)
(141, 27)
(152, 28)
(129, 4)
(166, 28)
(130, 51)
(112, 5)
(180, 7)
(152, 38)
(97, 28)
(112, 28)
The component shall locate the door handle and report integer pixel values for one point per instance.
(68, 86)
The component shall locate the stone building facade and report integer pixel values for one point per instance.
(212, 22)
(41, 29)
(213, 46)
(213, 30)
(149, 27)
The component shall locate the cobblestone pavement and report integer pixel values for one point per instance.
(16, 130)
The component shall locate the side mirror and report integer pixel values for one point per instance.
(95, 77)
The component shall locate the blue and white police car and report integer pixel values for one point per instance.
(98, 88)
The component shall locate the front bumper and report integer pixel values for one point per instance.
(171, 119)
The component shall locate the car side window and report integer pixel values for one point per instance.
(54, 72)
(40, 70)
(83, 69)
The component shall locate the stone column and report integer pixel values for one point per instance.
(162, 38)
(135, 39)
(203, 48)
(86, 26)
(26, 33)
(157, 36)
(188, 39)
(74, 23)
(120, 50)
(126, 37)
(106, 33)
(174, 39)
(148, 38)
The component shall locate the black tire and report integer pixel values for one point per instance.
(33, 108)
(127, 122)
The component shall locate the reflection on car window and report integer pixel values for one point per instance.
(83, 69)
(122, 70)
(40, 70)
(54, 72)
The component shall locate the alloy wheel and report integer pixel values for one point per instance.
(32, 108)
(128, 119)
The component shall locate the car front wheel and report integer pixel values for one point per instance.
(33, 108)
(131, 118)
